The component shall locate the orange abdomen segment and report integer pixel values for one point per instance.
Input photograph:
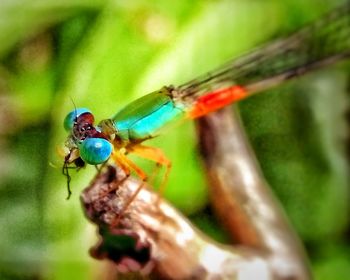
(216, 100)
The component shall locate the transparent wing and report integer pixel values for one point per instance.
(323, 42)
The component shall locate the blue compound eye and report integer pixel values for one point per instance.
(95, 150)
(69, 119)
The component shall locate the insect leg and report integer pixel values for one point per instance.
(156, 155)
(127, 165)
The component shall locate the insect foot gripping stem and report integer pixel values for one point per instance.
(106, 201)
(157, 239)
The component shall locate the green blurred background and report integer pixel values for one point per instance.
(103, 54)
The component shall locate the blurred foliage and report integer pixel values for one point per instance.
(103, 54)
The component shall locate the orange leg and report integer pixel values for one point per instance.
(156, 155)
(127, 165)
(154, 173)
(116, 156)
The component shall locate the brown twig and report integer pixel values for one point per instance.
(153, 236)
(171, 244)
(242, 198)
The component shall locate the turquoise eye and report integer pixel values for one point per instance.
(95, 150)
(69, 119)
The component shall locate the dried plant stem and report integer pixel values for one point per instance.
(242, 198)
(171, 247)
(177, 249)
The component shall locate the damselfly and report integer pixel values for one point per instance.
(324, 42)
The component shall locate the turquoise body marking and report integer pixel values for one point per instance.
(148, 125)
(143, 118)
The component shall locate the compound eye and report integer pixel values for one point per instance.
(95, 150)
(69, 120)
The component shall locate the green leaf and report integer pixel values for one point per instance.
(20, 19)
